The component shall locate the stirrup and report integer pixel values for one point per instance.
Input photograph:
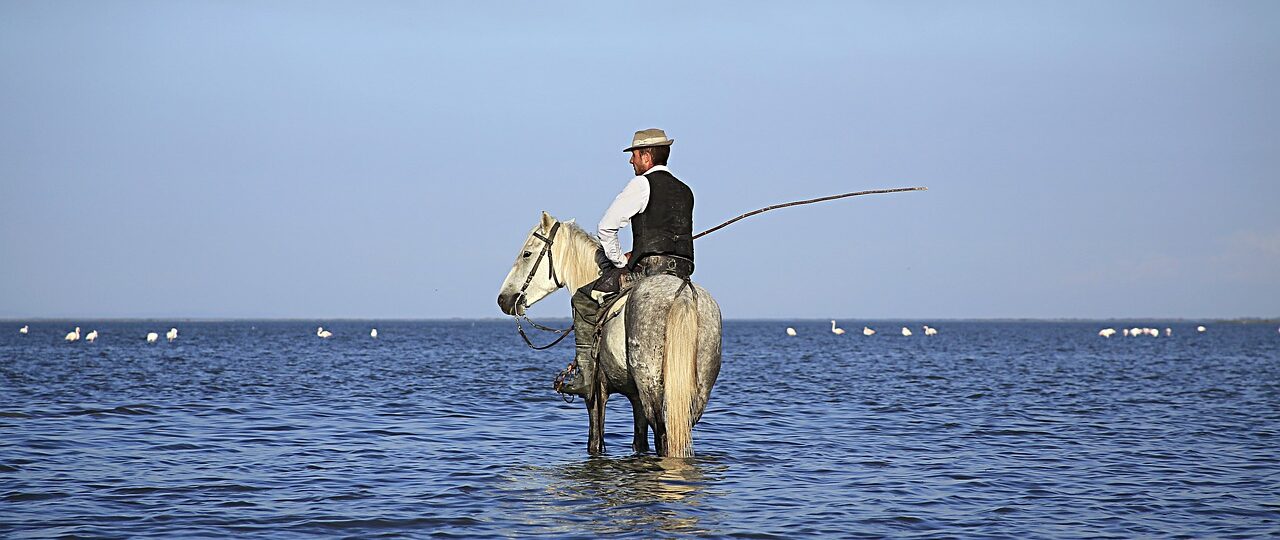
(563, 377)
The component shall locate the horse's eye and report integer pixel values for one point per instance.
(528, 254)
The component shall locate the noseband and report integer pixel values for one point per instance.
(547, 242)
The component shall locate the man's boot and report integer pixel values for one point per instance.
(586, 313)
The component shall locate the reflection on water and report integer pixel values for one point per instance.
(636, 493)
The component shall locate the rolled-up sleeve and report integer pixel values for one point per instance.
(633, 200)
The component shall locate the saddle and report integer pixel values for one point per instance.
(674, 265)
(614, 279)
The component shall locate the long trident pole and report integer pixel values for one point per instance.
(807, 201)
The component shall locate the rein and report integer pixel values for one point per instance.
(547, 241)
(520, 329)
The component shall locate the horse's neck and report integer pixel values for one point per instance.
(576, 259)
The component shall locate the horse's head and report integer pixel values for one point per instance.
(533, 276)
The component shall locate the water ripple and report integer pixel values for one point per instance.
(1005, 430)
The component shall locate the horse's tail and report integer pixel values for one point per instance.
(680, 375)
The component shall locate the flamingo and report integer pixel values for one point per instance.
(836, 331)
(1200, 329)
(92, 336)
(906, 331)
(930, 331)
(1168, 332)
(868, 332)
(74, 336)
(325, 334)
(172, 334)
(373, 333)
(1108, 332)
(23, 330)
(791, 331)
(152, 337)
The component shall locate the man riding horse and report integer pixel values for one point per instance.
(660, 208)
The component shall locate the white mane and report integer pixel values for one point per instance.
(575, 253)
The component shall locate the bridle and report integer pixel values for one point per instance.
(547, 242)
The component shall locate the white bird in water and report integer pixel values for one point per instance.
(1200, 329)
(930, 331)
(93, 336)
(171, 335)
(1108, 332)
(373, 333)
(791, 331)
(152, 337)
(836, 331)
(23, 330)
(1126, 332)
(1168, 332)
(320, 331)
(868, 332)
(906, 331)
(74, 336)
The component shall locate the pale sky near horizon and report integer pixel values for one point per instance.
(385, 159)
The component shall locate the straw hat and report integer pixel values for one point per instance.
(649, 137)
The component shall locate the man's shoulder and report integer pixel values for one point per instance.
(664, 178)
(661, 173)
(639, 182)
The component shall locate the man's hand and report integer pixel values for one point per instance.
(611, 280)
(603, 261)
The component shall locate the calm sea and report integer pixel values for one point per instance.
(450, 429)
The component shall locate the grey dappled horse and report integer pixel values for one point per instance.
(661, 351)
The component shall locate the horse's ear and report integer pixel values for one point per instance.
(547, 221)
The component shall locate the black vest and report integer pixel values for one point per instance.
(665, 227)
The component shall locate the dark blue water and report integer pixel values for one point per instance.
(450, 429)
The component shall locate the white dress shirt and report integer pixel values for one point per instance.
(633, 200)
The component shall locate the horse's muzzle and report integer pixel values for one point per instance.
(511, 303)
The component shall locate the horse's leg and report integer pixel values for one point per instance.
(595, 414)
(640, 444)
(660, 438)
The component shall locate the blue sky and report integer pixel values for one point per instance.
(385, 159)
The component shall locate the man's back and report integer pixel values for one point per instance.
(665, 227)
